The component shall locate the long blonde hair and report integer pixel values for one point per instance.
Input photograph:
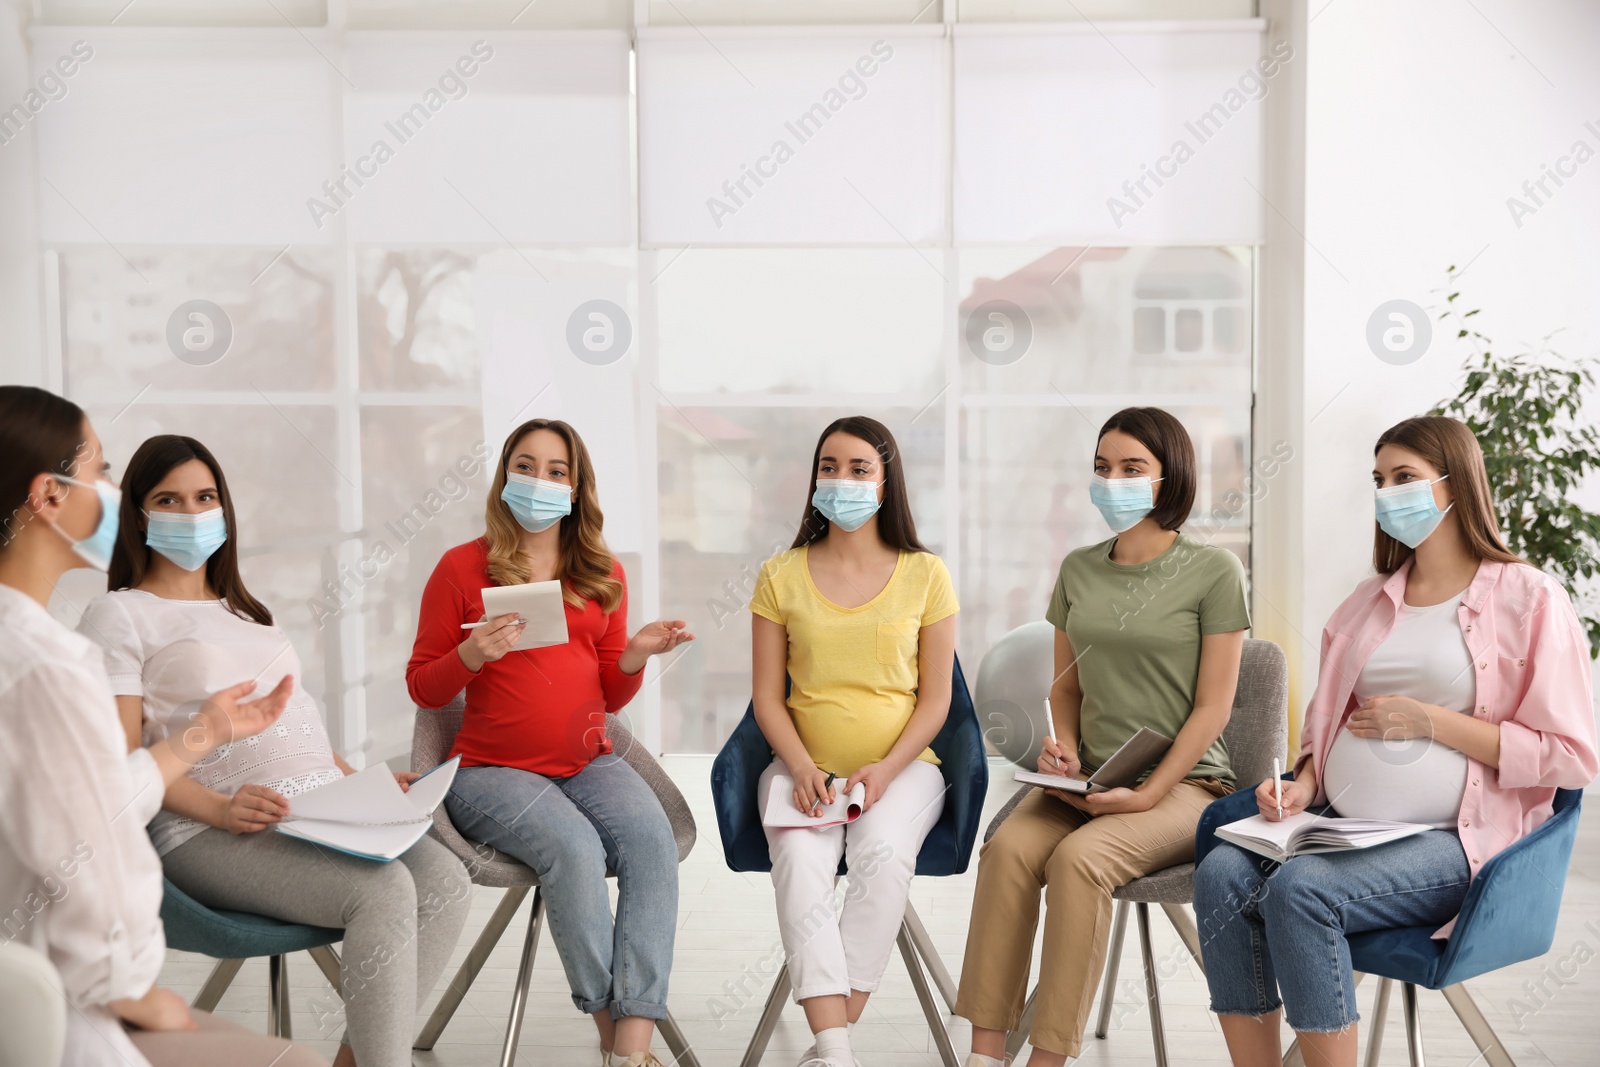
(585, 563)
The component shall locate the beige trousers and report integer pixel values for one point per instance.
(220, 1044)
(1078, 861)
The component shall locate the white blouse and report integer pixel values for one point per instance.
(176, 653)
(78, 877)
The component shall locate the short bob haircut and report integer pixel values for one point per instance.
(1169, 445)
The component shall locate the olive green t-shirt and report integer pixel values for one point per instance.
(1136, 630)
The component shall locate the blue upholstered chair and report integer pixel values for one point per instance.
(1509, 915)
(231, 937)
(947, 849)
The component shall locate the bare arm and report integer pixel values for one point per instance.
(131, 711)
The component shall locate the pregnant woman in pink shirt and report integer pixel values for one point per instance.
(1454, 691)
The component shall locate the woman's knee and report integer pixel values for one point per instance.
(1298, 890)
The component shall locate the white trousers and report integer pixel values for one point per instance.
(832, 951)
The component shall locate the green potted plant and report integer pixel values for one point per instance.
(1526, 410)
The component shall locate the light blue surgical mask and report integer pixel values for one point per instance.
(1408, 512)
(845, 502)
(535, 503)
(1122, 501)
(187, 540)
(95, 550)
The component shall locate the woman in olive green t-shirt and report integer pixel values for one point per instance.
(1149, 628)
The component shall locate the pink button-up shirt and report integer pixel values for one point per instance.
(1530, 660)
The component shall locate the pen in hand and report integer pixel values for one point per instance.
(1050, 729)
(827, 785)
(1277, 784)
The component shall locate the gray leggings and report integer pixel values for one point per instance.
(400, 919)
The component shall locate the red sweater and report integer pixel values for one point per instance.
(541, 709)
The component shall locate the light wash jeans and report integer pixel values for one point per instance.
(1269, 928)
(570, 830)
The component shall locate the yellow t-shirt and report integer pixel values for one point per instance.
(854, 670)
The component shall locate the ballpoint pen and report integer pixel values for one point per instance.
(1050, 728)
(815, 804)
(1277, 784)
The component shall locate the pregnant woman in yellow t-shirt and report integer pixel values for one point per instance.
(862, 618)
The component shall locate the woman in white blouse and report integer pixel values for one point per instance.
(177, 618)
(79, 880)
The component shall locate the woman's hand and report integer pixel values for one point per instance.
(253, 808)
(810, 785)
(1297, 796)
(1118, 801)
(876, 777)
(225, 718)
(491, 641)
(653, 639)
(1389, 717)
(160, 1009)
(1055, 759)
(404, 779)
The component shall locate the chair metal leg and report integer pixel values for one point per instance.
(1478, 1028)
(1380, 1015)
(1019, 1037)
(519, 997)
(1152, 992)
(1108, 992)
(930, 958)
(278, 997)
(457, 987)
(217, 983)
(1408, 996)
(327, 961)
(768, 1022)
(930, 1007)
(1186, 931)
(682, 1052)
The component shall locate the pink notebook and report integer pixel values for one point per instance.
(779, 809)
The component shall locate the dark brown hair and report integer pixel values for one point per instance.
(1170, 445)
(585, 563)
(1449, 447)
(40, 433)
(896, 528)
(130, 560)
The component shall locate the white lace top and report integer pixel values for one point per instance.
(176, 653)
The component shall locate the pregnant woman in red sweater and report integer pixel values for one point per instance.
(538, 779)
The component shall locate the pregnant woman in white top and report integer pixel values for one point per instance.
(78, 878)
(1454, 691)
(179, 617)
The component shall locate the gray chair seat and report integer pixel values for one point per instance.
(1172, 885)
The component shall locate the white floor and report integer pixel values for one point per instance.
(1547, 1010)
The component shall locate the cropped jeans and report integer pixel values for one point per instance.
(570, 830)
(1268, 929)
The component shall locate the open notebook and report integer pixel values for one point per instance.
(1305, 834)
(779, 809)
(367, 813)
(1137, 755)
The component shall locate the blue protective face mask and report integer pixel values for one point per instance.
(535, 503)
(1408, 512)
(95, 550)
(1122, 501)
(845, 502)
(187, 540)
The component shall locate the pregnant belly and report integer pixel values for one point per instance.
(1417, 780)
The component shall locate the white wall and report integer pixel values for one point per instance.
(1422, 119)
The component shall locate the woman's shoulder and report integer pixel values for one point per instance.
(926, 565)
(1529, 587)
(120, 605)
(473, 553)
(782, 563)
(1213, 558)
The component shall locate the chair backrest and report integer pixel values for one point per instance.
(1257, 730)
(33, 1013)
(736, 772)
(433, 734)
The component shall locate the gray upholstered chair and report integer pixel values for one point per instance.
(432, 736)
(1257, 731)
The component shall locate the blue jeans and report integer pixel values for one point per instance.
(570, 830)
(1267, 928)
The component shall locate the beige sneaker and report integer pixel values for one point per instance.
(641, 1059)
